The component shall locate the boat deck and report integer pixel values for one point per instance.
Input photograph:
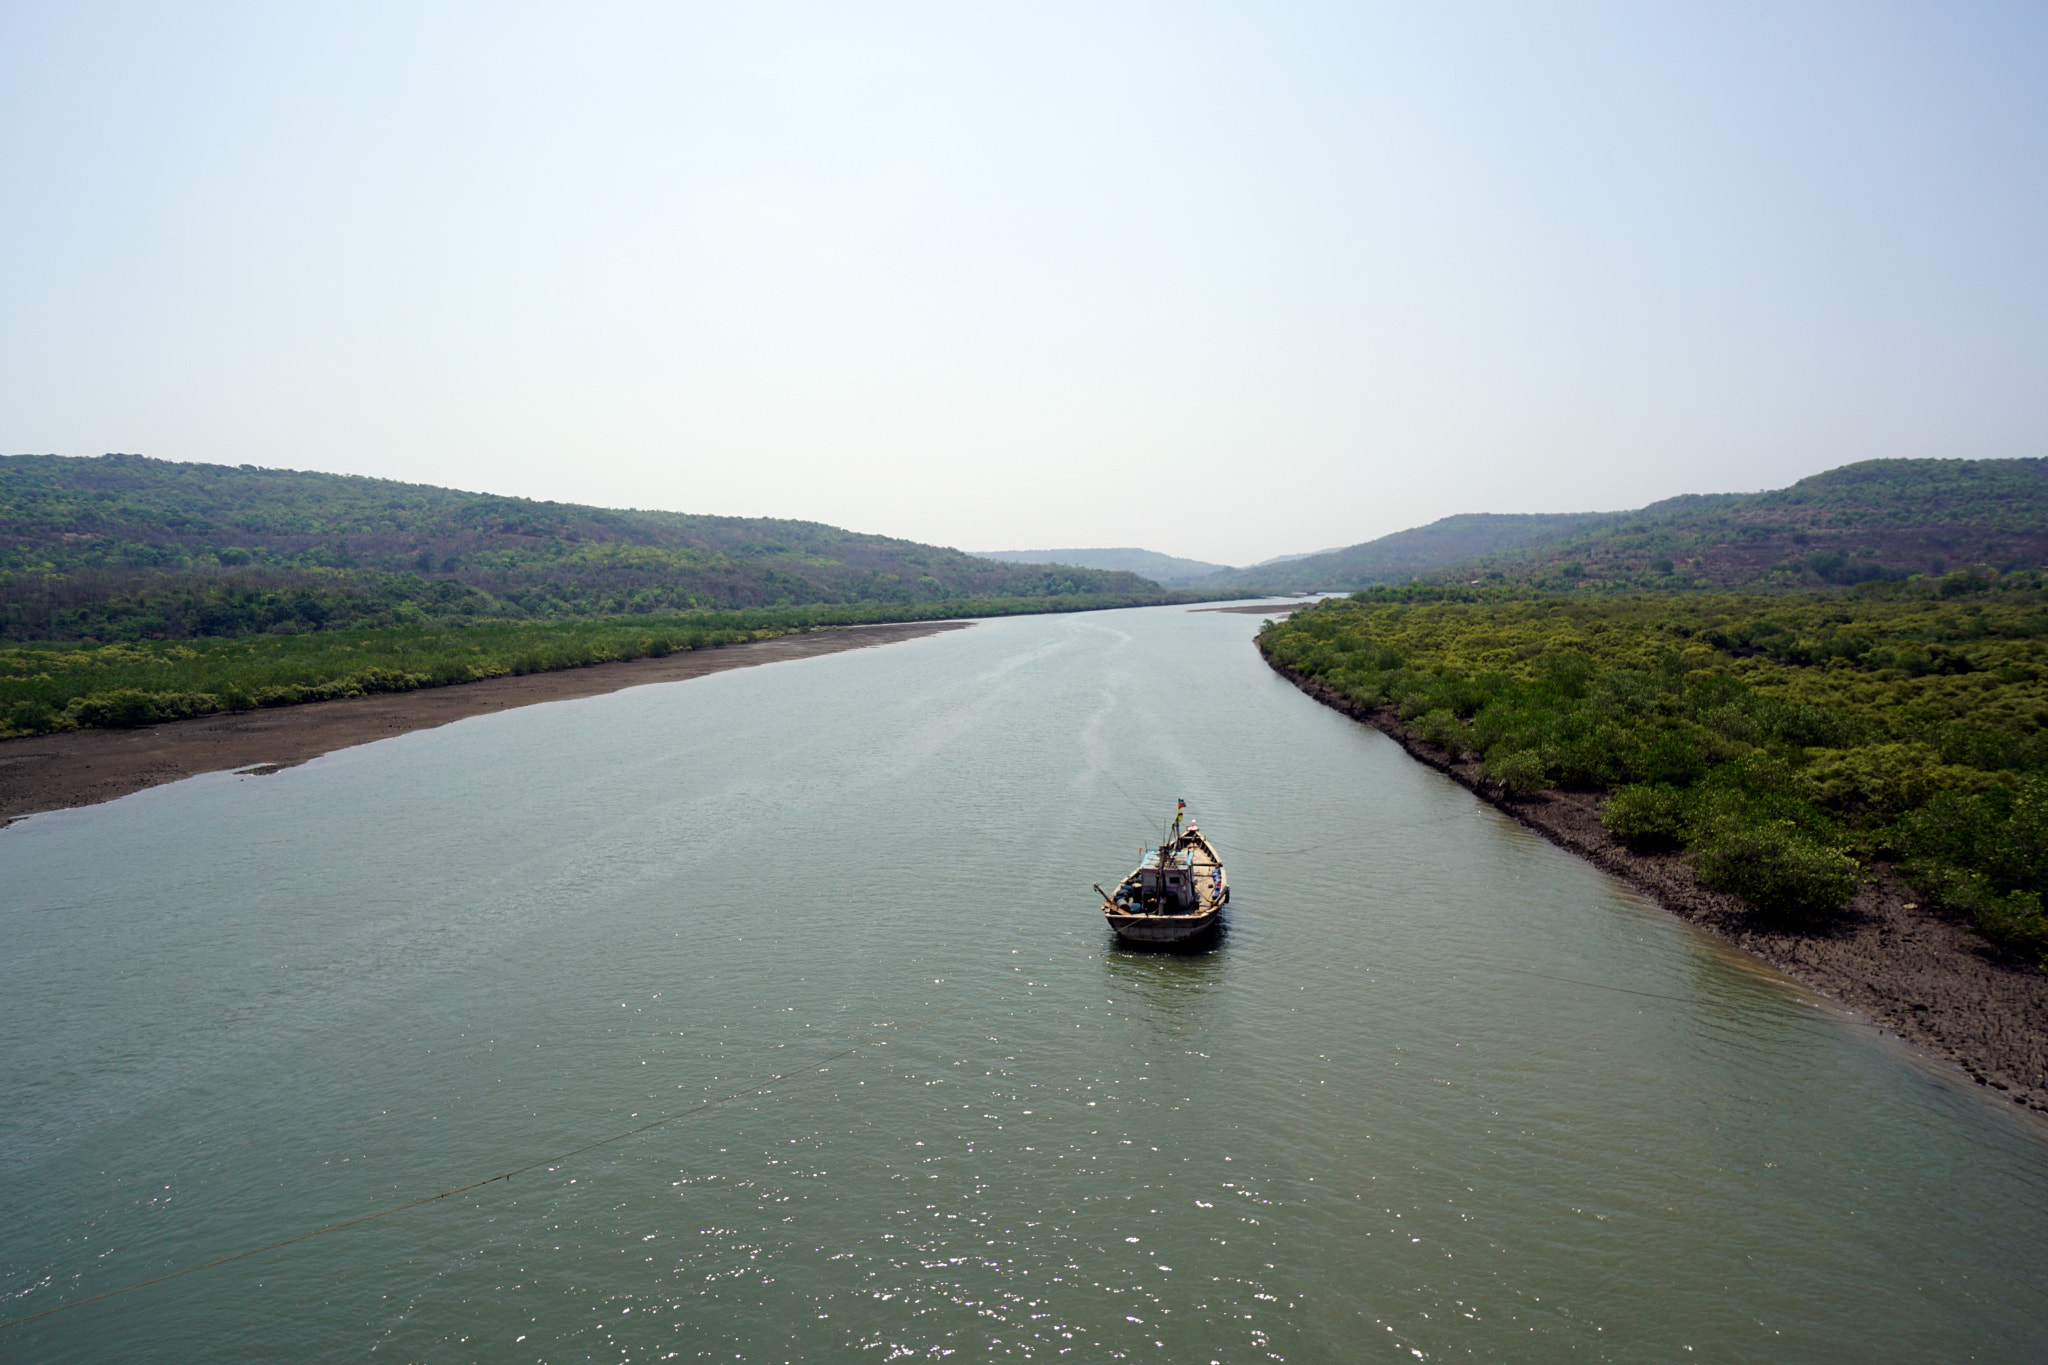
(1210, 881)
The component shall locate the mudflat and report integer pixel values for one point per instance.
(85, 767)
(1266, 608)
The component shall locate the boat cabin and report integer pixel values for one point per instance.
(1175, 879)
(1176, 892)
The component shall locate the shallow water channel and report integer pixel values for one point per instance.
(1442, 1093)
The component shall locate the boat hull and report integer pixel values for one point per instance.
(1161, 928)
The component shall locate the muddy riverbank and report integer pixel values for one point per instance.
(1905, 966)
(86, 767)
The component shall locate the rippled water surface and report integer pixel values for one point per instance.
(1443, 1093)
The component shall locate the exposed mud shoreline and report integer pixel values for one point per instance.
(1266, 608)
(1919, 973)
(85, 767)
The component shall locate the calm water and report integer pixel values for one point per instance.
(1387, 1119)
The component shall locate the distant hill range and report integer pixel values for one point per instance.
(1406, 554)
(1166, 570)
(1289, 559)
(1875, 519)
(1870, 520)
(123, 545)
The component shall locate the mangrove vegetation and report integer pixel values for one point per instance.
(51, 687)
(1786, 743)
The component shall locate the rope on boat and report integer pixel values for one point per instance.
(1136, 804)
(1285, 852)
(621, 1136)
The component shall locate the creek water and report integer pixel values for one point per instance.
(1441, 1093)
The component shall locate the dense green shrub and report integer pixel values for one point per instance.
(1647, 814)
(1882, 780)
(2001, 831)
(1441, 728)
(1672, 754)
(1518, 771)
(1777, 867)
(1587, 756)
(1985, 853)
(127, 707)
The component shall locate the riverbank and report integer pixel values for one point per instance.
(1275, 609)
(86, 767)
(1923, 975)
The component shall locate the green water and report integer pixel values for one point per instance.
(1443, 1092)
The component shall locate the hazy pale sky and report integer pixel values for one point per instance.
(1222, 280)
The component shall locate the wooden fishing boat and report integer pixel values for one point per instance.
(1177, 893)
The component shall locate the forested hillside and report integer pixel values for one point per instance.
(1785, 741)
(1880, 519)
(126, 547)
(1407, 554)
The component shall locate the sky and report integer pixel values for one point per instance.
(1226, 281)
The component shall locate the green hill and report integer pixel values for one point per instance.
(125, 547)
(1166, 570)
(1407, 554)
(1877, 519)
